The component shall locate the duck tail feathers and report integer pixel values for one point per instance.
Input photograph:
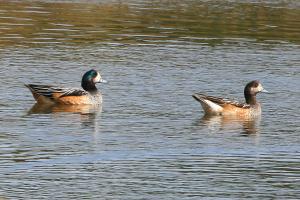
(208, 106)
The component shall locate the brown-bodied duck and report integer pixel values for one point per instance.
(221, 106)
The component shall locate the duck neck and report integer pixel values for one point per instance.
(250, 98)
(88, 86)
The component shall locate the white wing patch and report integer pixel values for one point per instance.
(210, 107)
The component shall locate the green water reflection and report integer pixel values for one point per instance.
(67, 23)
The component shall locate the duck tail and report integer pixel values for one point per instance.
(29, 86)
(208, 106)
(199, 97)
(34, 94)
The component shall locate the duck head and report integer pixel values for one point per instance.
(250, 91)
(89, 80)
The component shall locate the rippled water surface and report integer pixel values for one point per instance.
(149, 140)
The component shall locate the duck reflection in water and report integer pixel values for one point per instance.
(88, 113)
(247, 125)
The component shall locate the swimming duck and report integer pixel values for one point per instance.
(220, 106)
(70, 96)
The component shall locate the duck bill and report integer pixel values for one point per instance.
(265, 91)
(102, 81)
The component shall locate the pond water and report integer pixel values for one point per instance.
(149, 139)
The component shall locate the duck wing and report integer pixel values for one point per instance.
(215, 105)
(54, 92)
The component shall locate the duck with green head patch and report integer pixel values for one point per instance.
(70, 96)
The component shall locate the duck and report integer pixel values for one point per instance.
(223, 106)
(88, 95)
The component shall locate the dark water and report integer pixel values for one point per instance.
(149, 140)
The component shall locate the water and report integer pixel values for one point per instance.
(149, 140)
